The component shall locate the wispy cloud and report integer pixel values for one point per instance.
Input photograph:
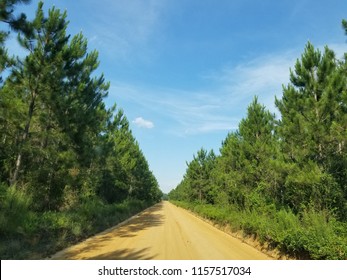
(187, 112)
(263, 76)
(235, 87)
(218, 109)
(222, 106)
(122, 28)
(141, 122)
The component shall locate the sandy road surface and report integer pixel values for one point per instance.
(162, 232)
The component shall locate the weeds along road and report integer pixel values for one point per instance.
(162, 232)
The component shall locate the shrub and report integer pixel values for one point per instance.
(320, 236)
(14, 210)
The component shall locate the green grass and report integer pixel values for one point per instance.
(25, 234)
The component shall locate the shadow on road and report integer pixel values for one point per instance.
(146, 219)
(125, 254)
(91, 248)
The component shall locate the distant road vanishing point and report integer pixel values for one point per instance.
(162, 232)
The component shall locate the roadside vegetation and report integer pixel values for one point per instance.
(310, 235)
(283, 179)
(69, 166)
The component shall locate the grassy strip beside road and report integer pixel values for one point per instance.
(313, 235)
(41, 235)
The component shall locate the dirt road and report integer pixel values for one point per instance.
(162, 232)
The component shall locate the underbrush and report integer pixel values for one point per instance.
(309, 235)
(25, 234)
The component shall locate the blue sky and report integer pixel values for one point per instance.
(185, 71)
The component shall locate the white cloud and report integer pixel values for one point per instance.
(140, 122)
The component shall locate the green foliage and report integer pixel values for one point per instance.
(14, 210)
(17, 23)
(198, 179)
(320, 238)
(313, 115)
(39, 235)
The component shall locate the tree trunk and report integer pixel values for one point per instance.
(15, 175)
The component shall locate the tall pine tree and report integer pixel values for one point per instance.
(311, 115)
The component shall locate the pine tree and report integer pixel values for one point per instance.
(199, 175)
(64, 112)
(309, 106)
(258, 142)
(312, 109)
(38, 76)
(248, 156)
(9, 105)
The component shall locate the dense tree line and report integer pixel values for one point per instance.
(296, 163)
(60, 147)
